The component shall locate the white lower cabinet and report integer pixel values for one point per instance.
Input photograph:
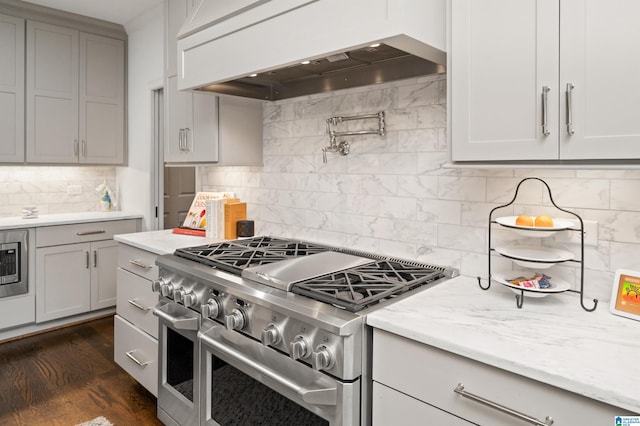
(76, 267)
(391, 407)
(137, 353)
(136, 328)
(414, 384)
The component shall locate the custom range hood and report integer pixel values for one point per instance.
(277, 49)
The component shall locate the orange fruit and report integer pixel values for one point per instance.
(524, 220)
(543, 221)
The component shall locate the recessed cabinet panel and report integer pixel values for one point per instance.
(53, 137)
(504, 54)
(599, 51)
(52, 93)
(101, 100)
(12, 50)
(62, 281)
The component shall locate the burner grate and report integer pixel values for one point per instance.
(363, 286)
(234, 256)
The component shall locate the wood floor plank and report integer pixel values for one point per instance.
(68, 376)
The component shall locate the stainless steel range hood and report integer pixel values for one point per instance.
(277, 49)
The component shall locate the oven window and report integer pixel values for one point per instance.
(237, 399)
(180, 363)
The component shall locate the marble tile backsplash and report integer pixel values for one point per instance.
(395, 195)
(47, 188)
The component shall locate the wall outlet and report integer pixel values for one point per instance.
(74, 189)
(590, 233)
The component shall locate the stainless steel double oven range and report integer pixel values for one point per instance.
(271, 331)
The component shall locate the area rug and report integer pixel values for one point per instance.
(98, 421)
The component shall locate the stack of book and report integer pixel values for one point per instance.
(210, 216)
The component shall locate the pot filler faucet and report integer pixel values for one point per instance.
(343, 147)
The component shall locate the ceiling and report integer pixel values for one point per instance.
(118, 11)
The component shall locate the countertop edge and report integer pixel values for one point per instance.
(604, 393)
(8, 223)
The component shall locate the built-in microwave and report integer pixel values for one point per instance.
(13, 262)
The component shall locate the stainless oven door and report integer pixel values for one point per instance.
(247, 383)
(178, 366)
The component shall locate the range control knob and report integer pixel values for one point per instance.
(235, 320)
(271, 335)
(211, 309)
(156, 285)
(299, 348)
(323, 358)
(167, 289)
(189, 299)
(178, 294)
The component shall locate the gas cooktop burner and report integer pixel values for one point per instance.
(363, 286)
(234, 256)
(352, 285)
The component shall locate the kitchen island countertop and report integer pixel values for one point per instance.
(163, 241)
(551, 339)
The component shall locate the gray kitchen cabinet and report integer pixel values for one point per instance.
(12, 50)
(75, 96)
(136, 328)
(76, 267)
(192, 134)
(544, 80)
(411, 380)
(202, 127)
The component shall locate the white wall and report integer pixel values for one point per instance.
(145, 73)
(392, 195)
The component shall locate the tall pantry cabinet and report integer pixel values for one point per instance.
(544, 80)
(11, 89)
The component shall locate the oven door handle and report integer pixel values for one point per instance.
(186, 321)
(322, 396)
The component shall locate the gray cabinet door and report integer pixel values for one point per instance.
(11, 89)
(102, 132)
(52, 94)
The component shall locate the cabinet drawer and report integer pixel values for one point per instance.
(391, 407)
(138, 261)
(431, 374)
(83, 232)
(137, 353)
(135, 301)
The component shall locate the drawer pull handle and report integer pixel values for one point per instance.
(139, 264)
(136, 360)
(102, 231)
(460, 391)
(139, 306)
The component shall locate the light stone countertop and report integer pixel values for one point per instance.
(64, 219)
(162, 242)
(551, 339)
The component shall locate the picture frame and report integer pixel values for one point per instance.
(625, 294)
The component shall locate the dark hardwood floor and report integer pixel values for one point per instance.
(68, 376)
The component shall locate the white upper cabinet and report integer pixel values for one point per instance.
(102, 130)
(192, 118)
(599, 57)
(75, 96)
(544, 80)
(52, 93)
(12, 50)
(200, 127)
